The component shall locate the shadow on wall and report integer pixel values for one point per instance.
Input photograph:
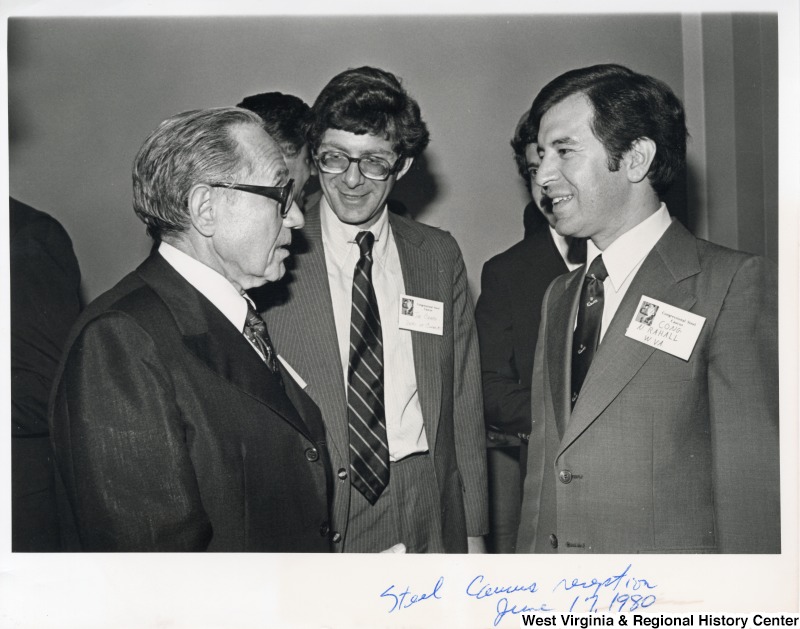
(416, 192)
(676, 199)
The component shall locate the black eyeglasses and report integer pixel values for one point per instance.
(335, 163)
(281, 194)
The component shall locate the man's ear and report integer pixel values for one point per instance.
(639, 158)
(404, 169)
(201, 210)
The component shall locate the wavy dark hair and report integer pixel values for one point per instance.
(523, 136)
(369, 100)
(285, 117)
(627, 106)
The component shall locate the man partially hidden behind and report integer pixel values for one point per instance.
(513, 284)
(285, 117)
(400, 393)
(174, 426)
(654, 436)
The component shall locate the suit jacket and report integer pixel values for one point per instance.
(171, 434)
(447, 370)
(513, 284)
(45, 301)
(660, 454)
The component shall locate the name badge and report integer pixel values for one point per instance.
(667, 328)
(295, 376)
(421, 315)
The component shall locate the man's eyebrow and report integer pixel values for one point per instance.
(565, 140)
(341, 149)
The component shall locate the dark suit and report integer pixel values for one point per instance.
(446, 368)
(507, 315)
(45, 301)
(171, 434)
(660, 454)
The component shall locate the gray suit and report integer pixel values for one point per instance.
(660, 454)
(447, 371)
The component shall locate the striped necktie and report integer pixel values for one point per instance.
(587, 331)
(369, 450)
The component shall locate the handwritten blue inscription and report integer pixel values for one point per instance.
(589, 593)
(479, 589)
(621, 591)
(504, 607)
(405, 599)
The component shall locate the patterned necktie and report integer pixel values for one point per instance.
(369, 452)
(256, 332)
(590, 318)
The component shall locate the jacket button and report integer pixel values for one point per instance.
(312, 454)
(324, 529)
(553, 540)
(565, 476)
(337, 537)
(342, 474)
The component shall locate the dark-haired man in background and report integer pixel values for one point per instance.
(400, 394)
(513, 284)
(285, 117)
(654, 436)
(174, 426)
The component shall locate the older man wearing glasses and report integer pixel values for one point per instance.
(399, 387)
(174, 425)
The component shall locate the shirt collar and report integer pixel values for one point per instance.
(340, 238)
(625, 254)
(214, 287)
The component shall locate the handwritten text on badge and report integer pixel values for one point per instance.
(421, 315)
(668, 328)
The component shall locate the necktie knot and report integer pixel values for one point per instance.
(597, 270)
(365, 240)
(255, 321)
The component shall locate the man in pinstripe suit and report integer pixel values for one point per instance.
(422, 480)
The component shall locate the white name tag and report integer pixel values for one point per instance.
(295, 376)
(665, 327)
(421, 315)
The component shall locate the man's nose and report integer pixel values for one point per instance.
(294, 218)
(352, 176)
(545, 174)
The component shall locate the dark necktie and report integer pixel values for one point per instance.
(256, 332)
(369, 450)
(590, 318)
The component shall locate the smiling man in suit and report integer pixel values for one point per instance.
(400, 392)
(658, 435)
(174, 426)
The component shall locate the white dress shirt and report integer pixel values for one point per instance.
(624, 257)
(214, 287)
(405, 429)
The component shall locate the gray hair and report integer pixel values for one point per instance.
(188, 148)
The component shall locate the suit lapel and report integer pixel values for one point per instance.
(320, 355)
(422, 278)
(619, 358)
(211, 337)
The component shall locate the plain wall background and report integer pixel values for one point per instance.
(84, 94)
